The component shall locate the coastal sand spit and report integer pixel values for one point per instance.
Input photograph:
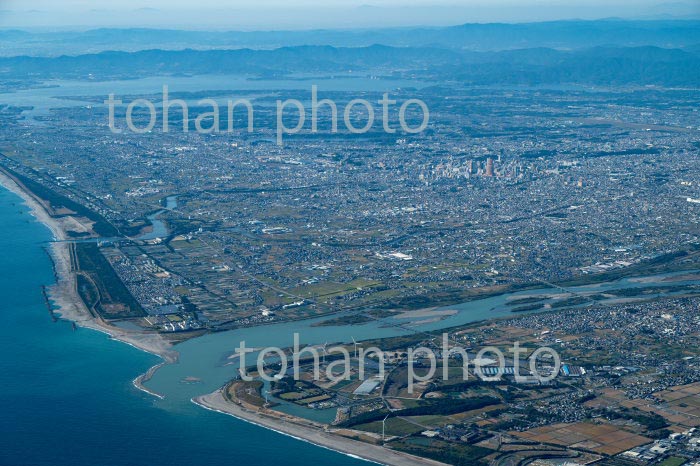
(374, 453)
(64, 294)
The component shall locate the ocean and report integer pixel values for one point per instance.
(67, 398)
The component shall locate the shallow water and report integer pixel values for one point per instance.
(67, 398)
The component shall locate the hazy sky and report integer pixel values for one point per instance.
(304, 14)
(249, 4)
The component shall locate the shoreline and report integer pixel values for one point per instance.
(64, 296)
(69, 306)
(324, 438)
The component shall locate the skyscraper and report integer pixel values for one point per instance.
(489, 167)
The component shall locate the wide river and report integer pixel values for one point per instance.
(67, 395)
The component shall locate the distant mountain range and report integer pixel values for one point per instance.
(476, 37)
(665, 53)
(615, 65)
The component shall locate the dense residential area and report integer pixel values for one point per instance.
(468, 245)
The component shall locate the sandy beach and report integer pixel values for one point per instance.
(69, 306)
(64, 295)
(316, 435)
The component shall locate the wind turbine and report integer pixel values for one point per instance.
(384, 425)
(323, 347)
(355, 343)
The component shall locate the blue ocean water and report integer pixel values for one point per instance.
(66, 396)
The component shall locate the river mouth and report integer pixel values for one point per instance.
(207, 358)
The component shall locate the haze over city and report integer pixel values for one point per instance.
(405, 232)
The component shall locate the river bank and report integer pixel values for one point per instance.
(68, 394)
(208, 356)
(64, 295)
(324, 438)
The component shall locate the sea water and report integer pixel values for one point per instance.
(66, 397)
